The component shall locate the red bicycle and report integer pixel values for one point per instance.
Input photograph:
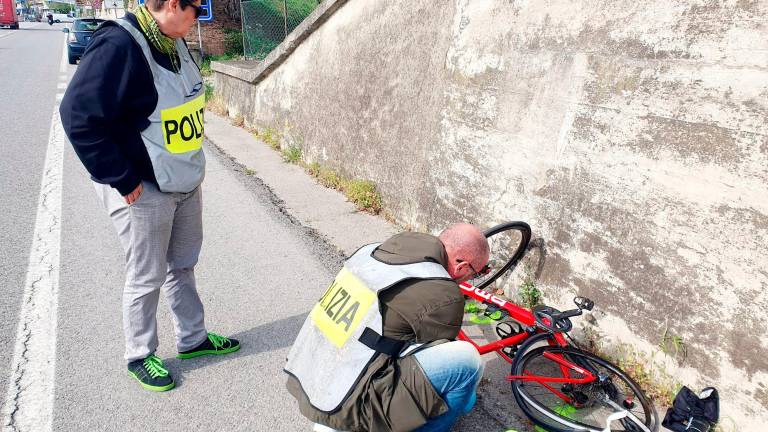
(560, 387)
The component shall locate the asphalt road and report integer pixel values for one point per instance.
(30, 59)
(258, 275)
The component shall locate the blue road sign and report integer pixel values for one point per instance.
(141, 2)
(207, 7)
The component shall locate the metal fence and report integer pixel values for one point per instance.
(267, 22)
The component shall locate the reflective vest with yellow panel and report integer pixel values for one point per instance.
(343, 332)
(174, 136)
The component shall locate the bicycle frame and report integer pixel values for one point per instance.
(571, 370)
(526, 318)
(517, 313)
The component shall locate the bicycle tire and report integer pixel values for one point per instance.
(563, 421)
(503, 259)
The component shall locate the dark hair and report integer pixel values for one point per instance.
(154, 5)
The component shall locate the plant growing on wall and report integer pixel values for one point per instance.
(672, 344)
(529, 293)
(292, 154)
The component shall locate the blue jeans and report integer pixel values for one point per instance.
(454, 369)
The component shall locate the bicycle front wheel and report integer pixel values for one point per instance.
(508, 243)
(591, 406)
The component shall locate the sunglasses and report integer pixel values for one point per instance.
(198, 8)
(482, 272)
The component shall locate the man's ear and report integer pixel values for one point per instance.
(460, 267)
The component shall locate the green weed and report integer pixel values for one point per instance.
(657, 384)
(673, 345)
(529, 293)
(330, 178)
(208, 91)
(270, 136)
(205, 66)
(313, 169)
(292, 154)
(363, 194)
(233, 42)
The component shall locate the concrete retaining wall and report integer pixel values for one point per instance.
(631, 135)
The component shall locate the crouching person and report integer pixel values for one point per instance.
(377, 351)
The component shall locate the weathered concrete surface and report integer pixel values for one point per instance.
(632, 136)
(326, 211)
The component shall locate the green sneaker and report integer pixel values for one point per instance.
(471, 307)
(215, 344)
(480, 320)
(149, 372)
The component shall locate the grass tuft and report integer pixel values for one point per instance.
(330, 178)
(529, 293)
(360, 192)
(270, 136)
(363, 194)
(292, 154)
(657, 384)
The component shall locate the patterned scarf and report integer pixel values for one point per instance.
(161, 42)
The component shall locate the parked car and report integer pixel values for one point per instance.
(64, 18)
(80, 36)
(8, 14)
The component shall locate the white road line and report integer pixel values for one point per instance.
(29, 400)
(63, 65)
(61, 85)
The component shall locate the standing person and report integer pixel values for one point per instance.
(134, 115)
(369, 357)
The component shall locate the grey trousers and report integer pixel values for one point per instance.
(162, 234)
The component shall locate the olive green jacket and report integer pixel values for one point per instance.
(394, 394)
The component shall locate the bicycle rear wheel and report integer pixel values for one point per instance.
(508, 243)
(589, 405)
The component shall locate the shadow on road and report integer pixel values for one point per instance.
(260, 339)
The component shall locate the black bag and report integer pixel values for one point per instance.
(693, 413)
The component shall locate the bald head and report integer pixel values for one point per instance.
(467, 250)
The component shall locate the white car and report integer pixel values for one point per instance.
(63, 18)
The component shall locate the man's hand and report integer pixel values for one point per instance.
(133, 196)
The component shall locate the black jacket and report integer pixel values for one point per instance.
(107, 104)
